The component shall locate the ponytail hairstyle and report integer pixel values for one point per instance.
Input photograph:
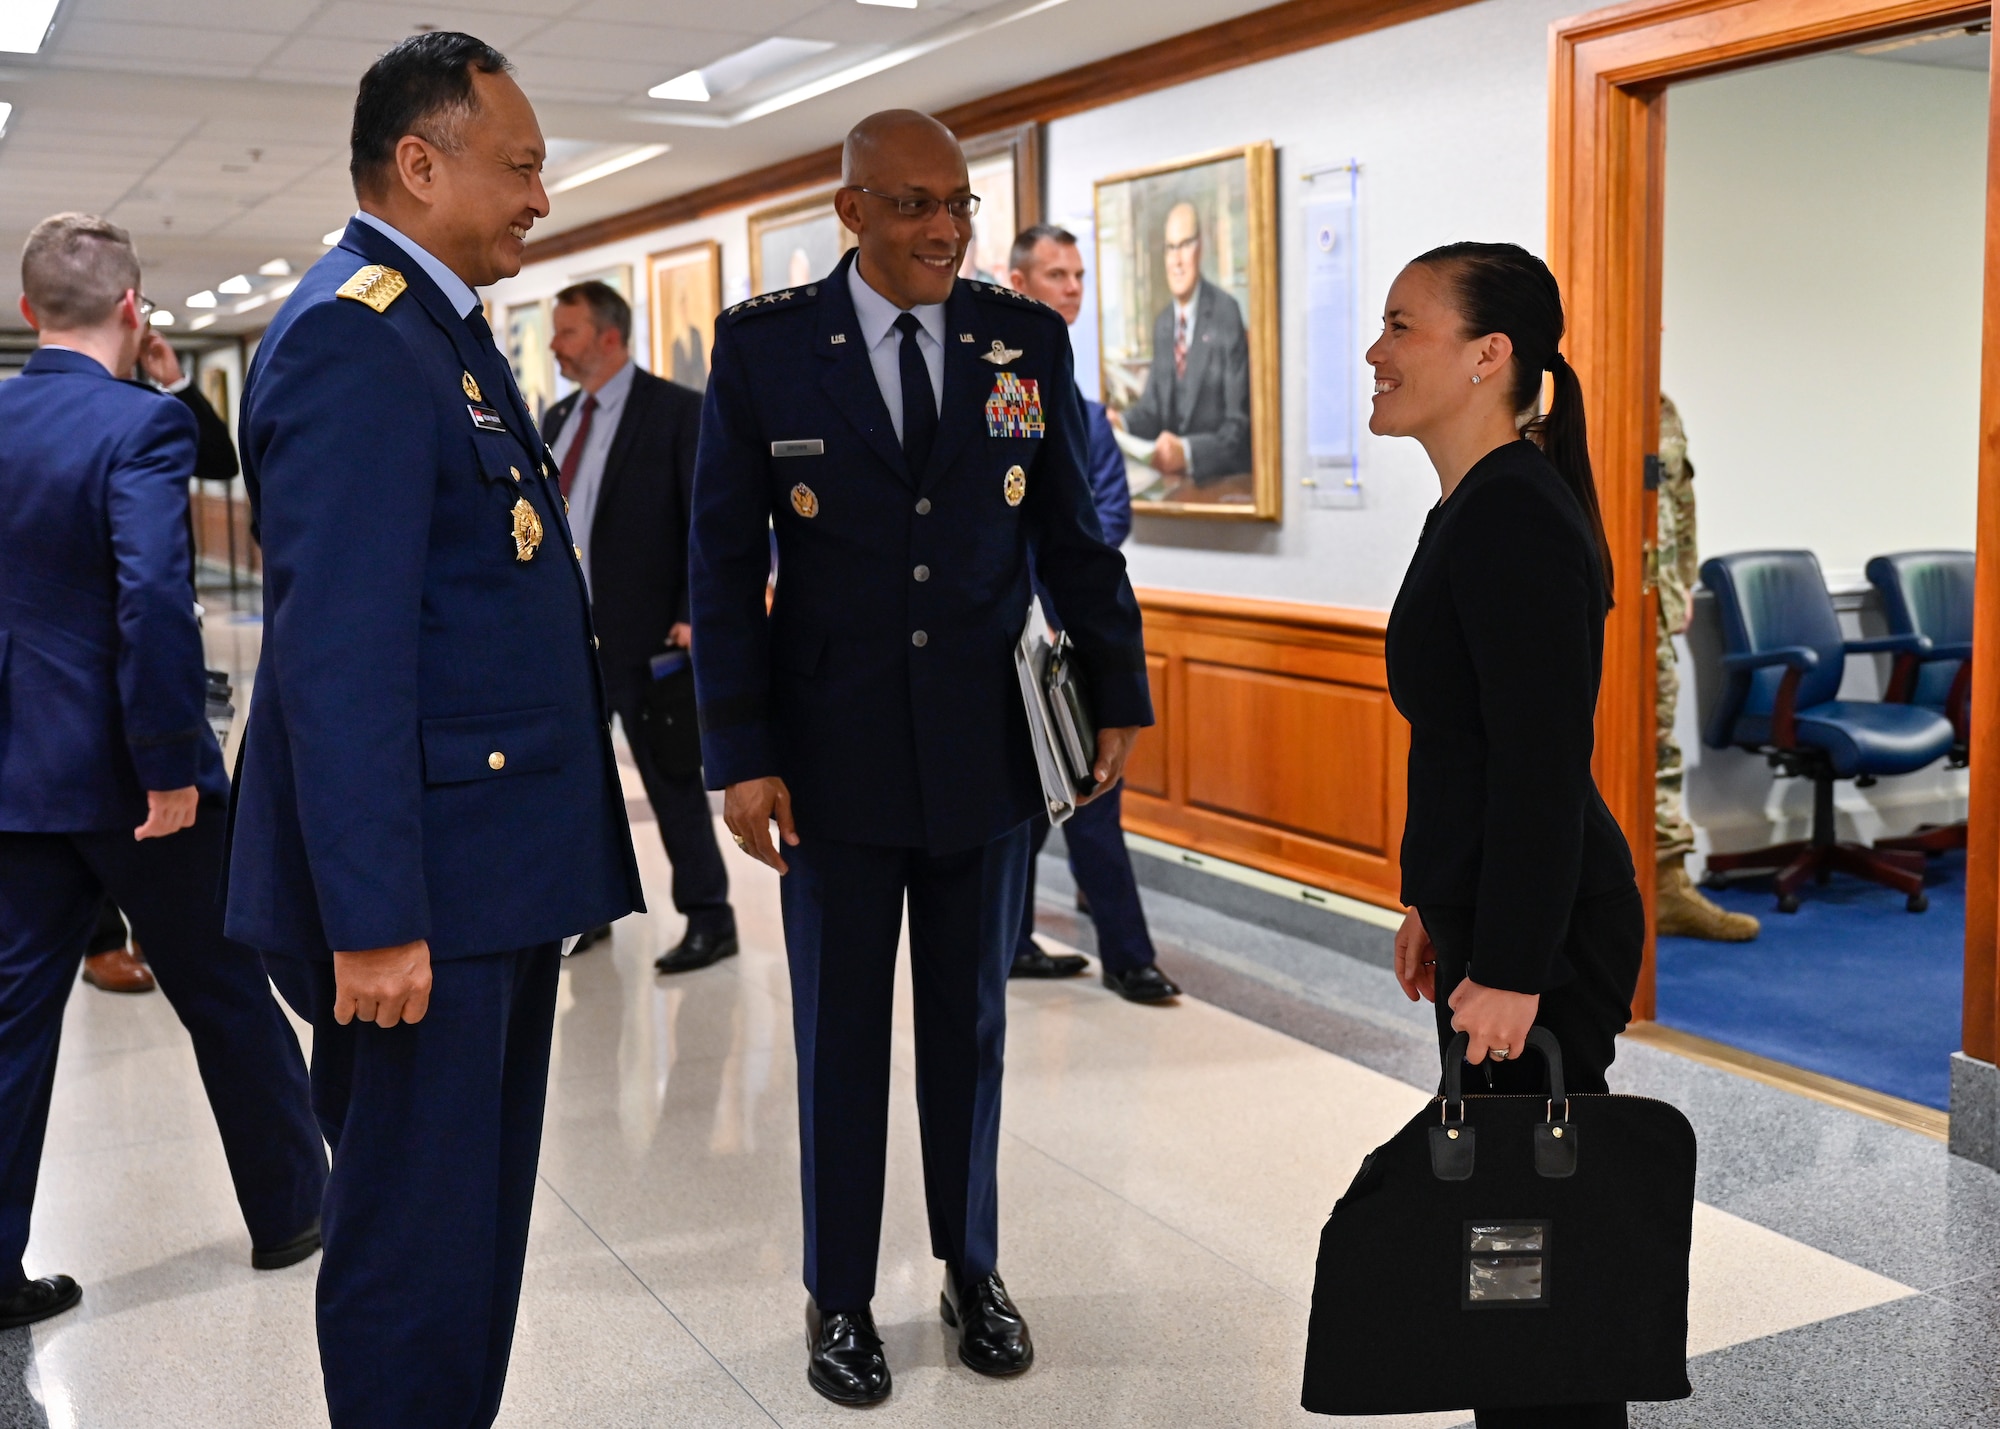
(1502, 287)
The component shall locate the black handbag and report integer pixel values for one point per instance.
(1508, 1252)
(667, 716)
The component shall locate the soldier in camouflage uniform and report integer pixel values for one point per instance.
(1682, 910)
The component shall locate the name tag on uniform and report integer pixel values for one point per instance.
(485, 418)
(815, 447)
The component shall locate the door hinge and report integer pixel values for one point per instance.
(1653, 471)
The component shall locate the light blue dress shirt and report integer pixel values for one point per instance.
(589, 481)
(877, 317)
(461, 297)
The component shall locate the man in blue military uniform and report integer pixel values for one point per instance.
(110, 778)
(908, 434)
(428, 801)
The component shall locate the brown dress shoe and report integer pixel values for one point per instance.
(117, 971)
(1682, 912)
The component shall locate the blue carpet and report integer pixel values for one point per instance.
(1851, 985)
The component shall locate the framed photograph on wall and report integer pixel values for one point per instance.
(618, 278)
(527, 338)
(684, 288)
(1006, 172)
(1187, 289)
(795, 243)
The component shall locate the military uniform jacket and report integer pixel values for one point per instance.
(428, 753)
(881, 686)
(101, 686)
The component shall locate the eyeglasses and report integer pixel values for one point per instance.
(147, 307)
(1185, 245)
(926, 208)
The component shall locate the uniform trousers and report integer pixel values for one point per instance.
(1604, 944)
(52, 890)
(1102, 867)
(436, 1128)
(687, 828)
(843, 908)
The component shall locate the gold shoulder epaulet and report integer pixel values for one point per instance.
(374, 285)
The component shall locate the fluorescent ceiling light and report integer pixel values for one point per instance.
(688, 87)
(6, 111)
(332, 236)
(893, 4)
(617, 163)
(238, 284)
(205, 320)
(276, 268)
(254, 301)
(204, 299)
(24, 24)
(161, 318)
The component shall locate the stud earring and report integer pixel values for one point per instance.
(1475, 379)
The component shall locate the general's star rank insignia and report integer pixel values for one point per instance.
(1001, 354)
(471, 387)
(804, 502)
(1015, 407)
(374, 285)
(527, 531)
(1015, 487)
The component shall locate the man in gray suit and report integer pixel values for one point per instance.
(1197, 398)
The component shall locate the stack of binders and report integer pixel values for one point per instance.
(1059, 723)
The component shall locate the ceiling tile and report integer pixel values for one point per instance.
(580, 80)
(234, 49)
(670, 48)
(761, 17)
(387, 24)
(322, 60)
(272, 16)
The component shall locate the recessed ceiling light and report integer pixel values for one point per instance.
(276, 268)
(893, 4)
(6, 112)
(203, 299)
(688, 87)
(615, 164)
(24, 24)
(332, 236)
(238, 284)
(161, 318)
(205, 320)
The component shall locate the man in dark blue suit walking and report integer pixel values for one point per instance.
(110, 778)
(429, 803)
(908, 435)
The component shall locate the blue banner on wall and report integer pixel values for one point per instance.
(1331, 354)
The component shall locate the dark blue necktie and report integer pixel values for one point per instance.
(920, 415)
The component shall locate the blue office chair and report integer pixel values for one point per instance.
(1929, 593)
(1785, 657)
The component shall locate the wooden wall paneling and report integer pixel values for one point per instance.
(1230, 44)
(1146, 768)
(1607, 133)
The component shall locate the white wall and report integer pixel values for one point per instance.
(1824, 227)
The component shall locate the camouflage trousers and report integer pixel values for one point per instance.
(1673, 835)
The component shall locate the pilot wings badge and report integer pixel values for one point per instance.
(1001, 354)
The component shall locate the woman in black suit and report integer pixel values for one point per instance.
(1523, 908)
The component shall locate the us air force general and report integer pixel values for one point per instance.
(909, 436)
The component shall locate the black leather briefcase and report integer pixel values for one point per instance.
(667, 716)
(1508, 1251)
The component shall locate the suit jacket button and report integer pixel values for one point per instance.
(919, 639)
(923, 506)
(578, 551)
(496, 760)
(922, 573)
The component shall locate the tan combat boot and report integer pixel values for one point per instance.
(1682, 912)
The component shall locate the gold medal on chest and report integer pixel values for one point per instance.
(1015, 487)
(471, 388)
(804, 502)
(527, 531)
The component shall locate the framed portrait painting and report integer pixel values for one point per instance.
(684, 289)
(527, 338)
(1005, 171)
(796, 243)
(618, 278)
(1187, 287)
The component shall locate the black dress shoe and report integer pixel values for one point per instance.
(992, 1337)
(844, 1359)
(1031, 961)
(595, 935)
(1146, 984)
(291, 1252)
(696, 950)
(38, 1300)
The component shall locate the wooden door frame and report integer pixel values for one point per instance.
(1609, 71)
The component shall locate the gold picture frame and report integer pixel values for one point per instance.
(526, 340)
(796, 242)
(1006, 172)
(1222, 208)
(683, 296)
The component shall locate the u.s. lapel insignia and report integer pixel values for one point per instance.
(471, 387)
(1015, 487)
(965, 337)
(527, 531)
(374, 285)
(1015, 407)
(1000, 354)
(804, 502)
(838, 337)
